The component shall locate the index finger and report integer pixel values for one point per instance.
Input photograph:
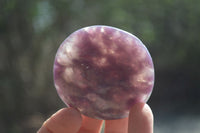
(140, 119)
(65, 120)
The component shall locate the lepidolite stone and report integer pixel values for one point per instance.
(102, 71)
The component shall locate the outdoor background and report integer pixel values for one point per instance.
(32, 30)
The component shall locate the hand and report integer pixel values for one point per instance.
(69, 120)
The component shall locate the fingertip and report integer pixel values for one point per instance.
(140, 119)
(142, 108)
(65, 120)
(90, 125)
(148, 112)
(70, 113)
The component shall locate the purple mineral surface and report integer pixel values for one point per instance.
(103, 71)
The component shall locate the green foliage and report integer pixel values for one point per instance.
(31, 32)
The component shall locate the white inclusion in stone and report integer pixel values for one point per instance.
(102, 104)
(143, 97)
(142, 53)
(63, 59)
(102, 46)
(129, 40)
(111, 51)
(102, 61)
(99, 102)
(70, 48)
(86, 29)
(68, 74)
(116, 35)
(90, 30)
(142, 78)
(147, 72)
(150, 73)
(57, 87)
(92, 97)
(105, 50)
(102, 30)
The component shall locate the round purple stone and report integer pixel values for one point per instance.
(102, 71)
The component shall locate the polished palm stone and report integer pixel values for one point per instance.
(103, 71)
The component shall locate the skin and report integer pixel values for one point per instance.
(69, 120)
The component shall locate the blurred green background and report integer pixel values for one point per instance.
(31, 32)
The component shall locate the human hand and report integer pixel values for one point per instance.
(69, 120)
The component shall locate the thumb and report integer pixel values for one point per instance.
(65, 120)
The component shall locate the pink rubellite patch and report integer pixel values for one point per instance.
(103, 71)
